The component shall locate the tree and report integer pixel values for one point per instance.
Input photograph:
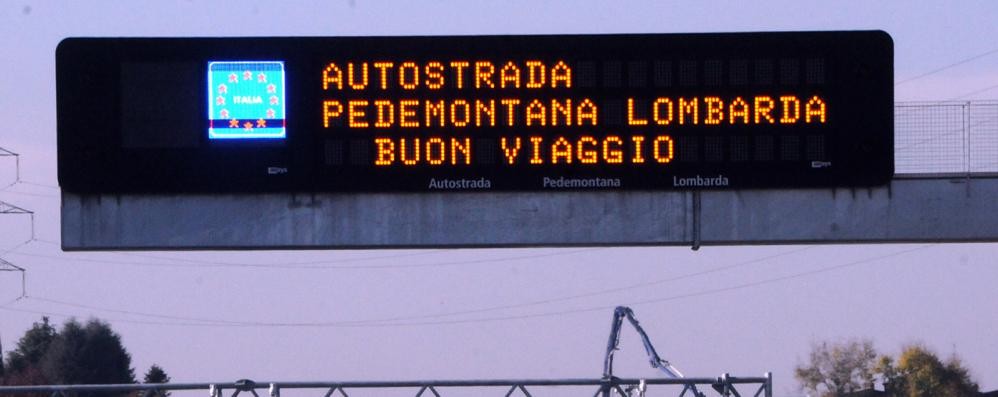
(89, 353)
(836, 369)
(22, 367)
(157, 375)
(31, 348)
(920, 373)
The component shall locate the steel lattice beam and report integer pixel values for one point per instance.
(724, 385)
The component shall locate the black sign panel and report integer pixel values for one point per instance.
(521, 113)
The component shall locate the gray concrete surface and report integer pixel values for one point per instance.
(907, 210)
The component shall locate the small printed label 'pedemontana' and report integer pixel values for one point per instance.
(562, 182)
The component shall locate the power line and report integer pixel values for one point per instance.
(39, 184)
(231, 264)
(354, 324)
(674, 297)
(950, 66)
(108, 261)
(493, 308)
(18, 245)
(943, 135)
(7, 190)
(317, 265)
(295, 264)
(135, 313)
(590, 294)
(11, 302)
(70, 315)
(972, 93)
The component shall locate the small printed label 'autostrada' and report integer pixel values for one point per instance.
(480, 183)
(700, 181)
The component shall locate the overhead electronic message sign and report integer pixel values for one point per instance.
(492, 113)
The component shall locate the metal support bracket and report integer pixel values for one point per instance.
(520, 388)
(696, 220)
(430, 388)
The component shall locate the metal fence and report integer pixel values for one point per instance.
(724, 385)
(932, 138)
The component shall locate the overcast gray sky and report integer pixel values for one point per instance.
(493, 313)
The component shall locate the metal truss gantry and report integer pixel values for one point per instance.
(608, 385)
(725, 385)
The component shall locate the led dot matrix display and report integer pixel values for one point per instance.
(697, 111)
(246, 100)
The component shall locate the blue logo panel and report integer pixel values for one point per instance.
(246, 100)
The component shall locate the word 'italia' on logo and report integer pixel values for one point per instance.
(719, 180)
(480, 183)
(248, 100)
